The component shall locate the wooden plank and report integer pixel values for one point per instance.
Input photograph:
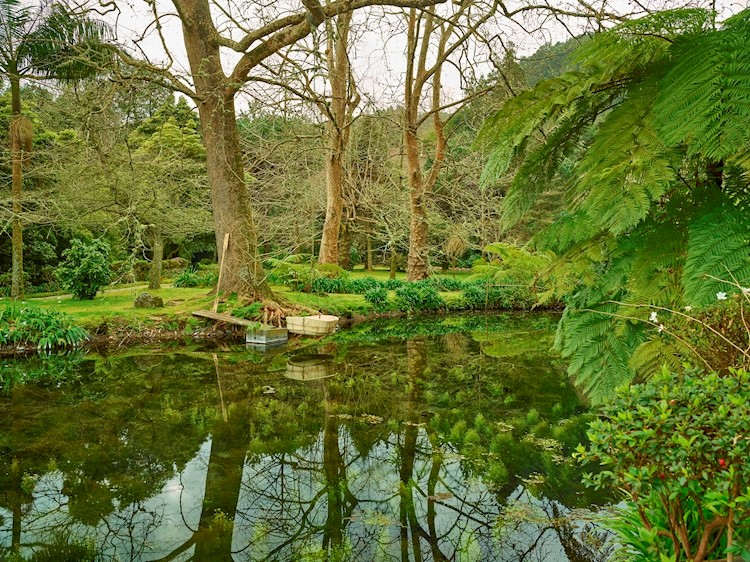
(219, 317)
(221, 271)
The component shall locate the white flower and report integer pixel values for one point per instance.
(721, 296)
(746, 291)
(661, 328)
(653, 317)
(688, 308)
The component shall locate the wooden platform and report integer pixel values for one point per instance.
(229, 319)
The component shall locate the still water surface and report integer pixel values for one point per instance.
(439, 439)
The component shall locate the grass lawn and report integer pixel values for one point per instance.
(116, 304)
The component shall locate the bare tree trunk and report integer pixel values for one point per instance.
(16, 148)
(418, 262)
(394, 263)
(345, 246)
(157, 247)
(369, 254)
(243, 272)
(419, 33)
(344, 100)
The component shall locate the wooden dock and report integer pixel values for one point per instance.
(229, 319)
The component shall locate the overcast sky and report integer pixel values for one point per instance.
(378, 50)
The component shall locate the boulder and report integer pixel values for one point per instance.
(147, 300)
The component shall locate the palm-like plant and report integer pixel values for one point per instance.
(649, 139)
(40, 42)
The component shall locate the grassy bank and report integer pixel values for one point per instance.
(111, 315)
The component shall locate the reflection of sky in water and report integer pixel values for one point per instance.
(284, 501)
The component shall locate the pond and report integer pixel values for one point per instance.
(434, 439)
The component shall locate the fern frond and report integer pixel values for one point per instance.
(658, 261)
(651, 356)
(627, 167)
(718, 252)
(705, 97)
(598, 351)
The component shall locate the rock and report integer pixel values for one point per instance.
(147, 300)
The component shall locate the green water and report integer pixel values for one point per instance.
(439, 439)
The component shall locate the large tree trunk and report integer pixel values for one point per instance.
(420, 28)
(16, 154)
(418, 266)
(230, 200)
(157, 247)
(344, 100)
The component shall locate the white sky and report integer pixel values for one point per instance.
(378, 52)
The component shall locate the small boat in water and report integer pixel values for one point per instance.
(316, 325)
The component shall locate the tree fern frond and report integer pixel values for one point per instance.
(599, 353)
(627, 167)
(705, 97)
(718, 252)
(651, 356)
(543, 163)
(658, 261)
(638, 43)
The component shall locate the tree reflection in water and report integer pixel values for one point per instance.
(405, 455)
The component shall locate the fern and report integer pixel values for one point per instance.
(705, 96)
(718, 253)
(597, 342)
(655, 207)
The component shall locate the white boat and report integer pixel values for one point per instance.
(316, 325)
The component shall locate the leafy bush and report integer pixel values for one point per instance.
(678, 447)
(361, 285)
(196, 278)
(329, 285)
(447, 283)
(393, 284)
(377, 297)
(417, 297)
(39, 328)
(489, 294)
(85, 268)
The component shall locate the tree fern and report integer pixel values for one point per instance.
(657, 210)
(597, 342)
(718, 253)
(705, 96)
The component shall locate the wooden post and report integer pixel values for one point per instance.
(221, 271)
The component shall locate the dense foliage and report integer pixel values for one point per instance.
(85, 268)
(40, 328)
(678, 446)
(648, 141)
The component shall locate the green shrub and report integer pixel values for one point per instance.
(378, 297)
(85, 268)
(329, 285)
(393, 284)
(418, 297)
(196, 278)
(447, 283)
(38, 328)
(490, 294)
(678, 446)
